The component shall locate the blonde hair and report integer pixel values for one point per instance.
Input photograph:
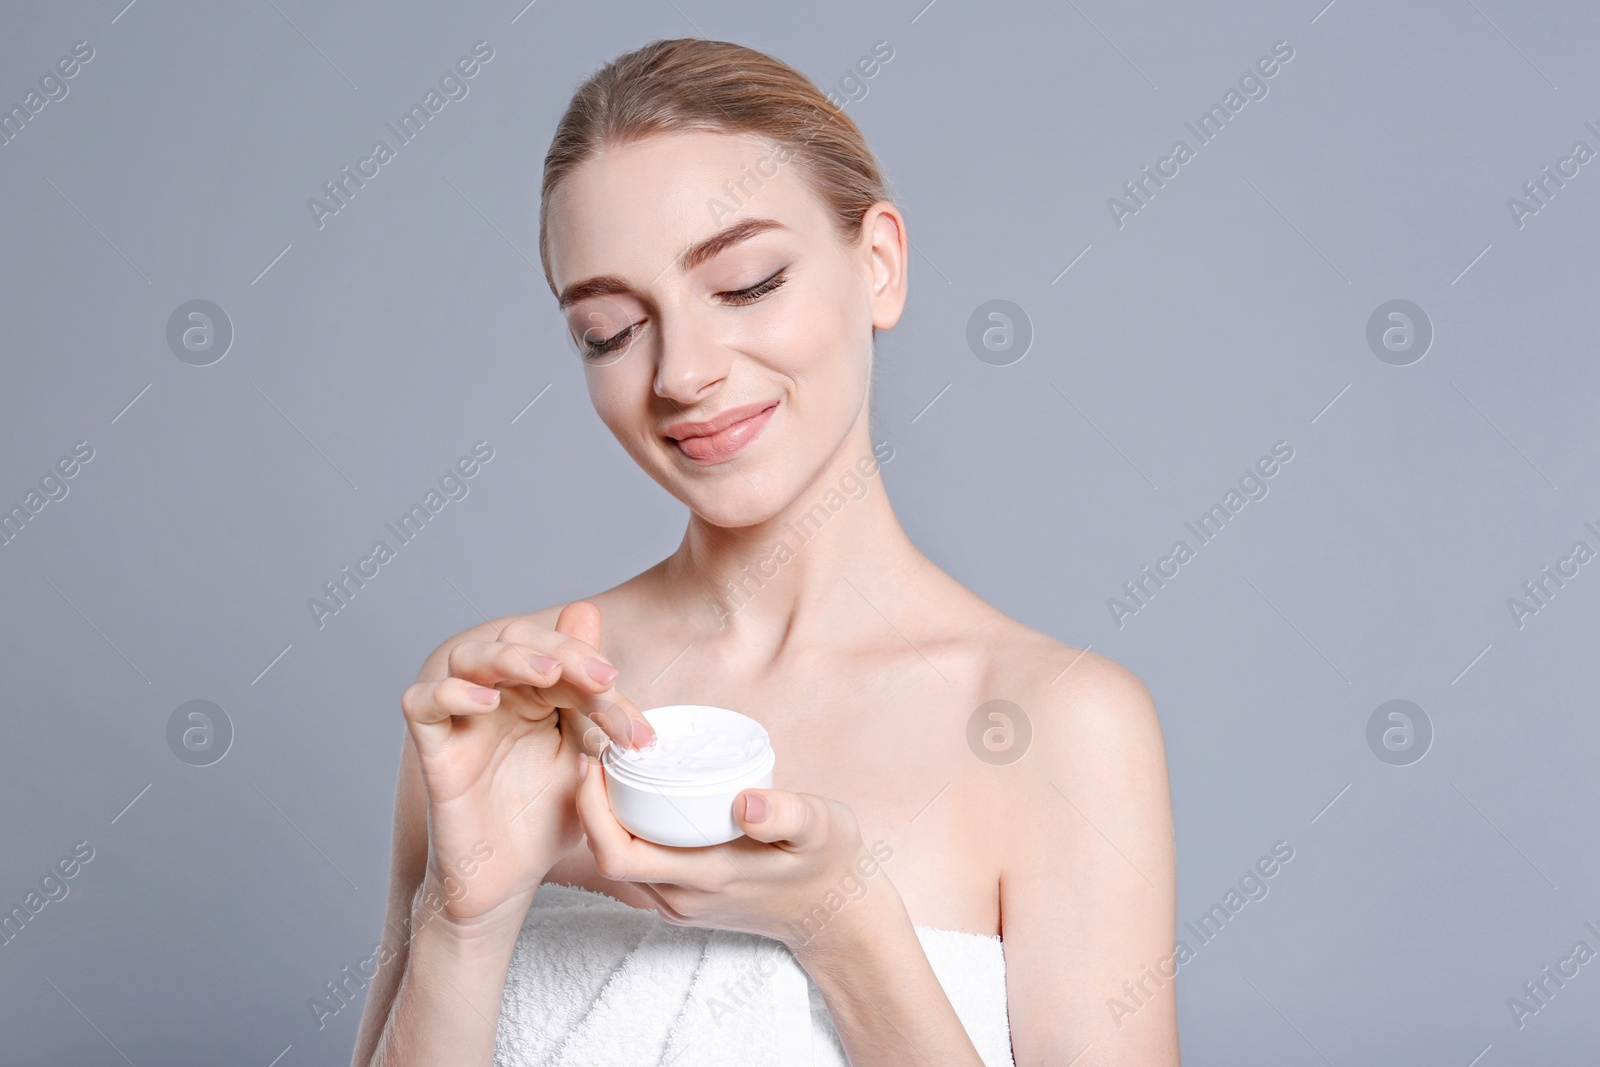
(690, 83)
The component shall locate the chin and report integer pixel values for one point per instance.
(732, 511)
(732, 502)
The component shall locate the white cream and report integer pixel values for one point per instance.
(680, 789)
(697, 748)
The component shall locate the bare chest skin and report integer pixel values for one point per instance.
(883, 731)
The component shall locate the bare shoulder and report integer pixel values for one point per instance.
(1084, 709)
(1095, 769)
(1033, 664)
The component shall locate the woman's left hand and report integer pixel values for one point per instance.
(802, 862)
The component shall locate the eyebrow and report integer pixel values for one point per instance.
(691, 257)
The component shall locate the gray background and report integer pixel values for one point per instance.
(1229, 313)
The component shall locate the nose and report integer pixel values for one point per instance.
(690, 361)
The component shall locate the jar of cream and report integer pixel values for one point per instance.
(680, 790)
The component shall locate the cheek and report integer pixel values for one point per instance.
(608, 394)
(805, 340)
(621, 395)
(773, 330)
(619, 386)
(844, 323)
(837, 349)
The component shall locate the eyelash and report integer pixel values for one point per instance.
(741, 298)
(756, 292)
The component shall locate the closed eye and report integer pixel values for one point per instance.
(596, 349)
(756, 292)
(737, 297)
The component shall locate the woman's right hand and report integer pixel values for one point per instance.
(498, 742)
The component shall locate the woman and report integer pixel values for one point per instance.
(720, 242)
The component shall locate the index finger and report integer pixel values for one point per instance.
(563, 672)
(618, 716)
(613, 718)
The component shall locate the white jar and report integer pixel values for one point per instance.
(680, 790)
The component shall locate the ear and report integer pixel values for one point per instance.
(883, 233)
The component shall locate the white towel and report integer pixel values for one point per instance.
(595, 982)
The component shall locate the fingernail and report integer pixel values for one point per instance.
(601, 671)
(483, 695)
(583, 765)
(543, 664)
(640, 733)
(755, 807)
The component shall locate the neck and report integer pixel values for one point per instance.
(803, 572)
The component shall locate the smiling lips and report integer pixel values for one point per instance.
(724, 436)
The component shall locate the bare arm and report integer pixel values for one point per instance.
(887, 1004)
(1088, 901)
(447, 1006)
(483, 809)
(436, 996)
(1087, 893)
(407, 866)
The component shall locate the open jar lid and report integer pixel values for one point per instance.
(696, 745)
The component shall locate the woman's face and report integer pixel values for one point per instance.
(772, 320)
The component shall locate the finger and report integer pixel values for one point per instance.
(613, 717)
(580, 619)
(562, 671)
(500, 662)
(618, 855)
(429, 706)
(583, 666)
(779, 815)
(591, 739)
(608, 708)
(667, 912)
(426, 703)
(566, 670)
